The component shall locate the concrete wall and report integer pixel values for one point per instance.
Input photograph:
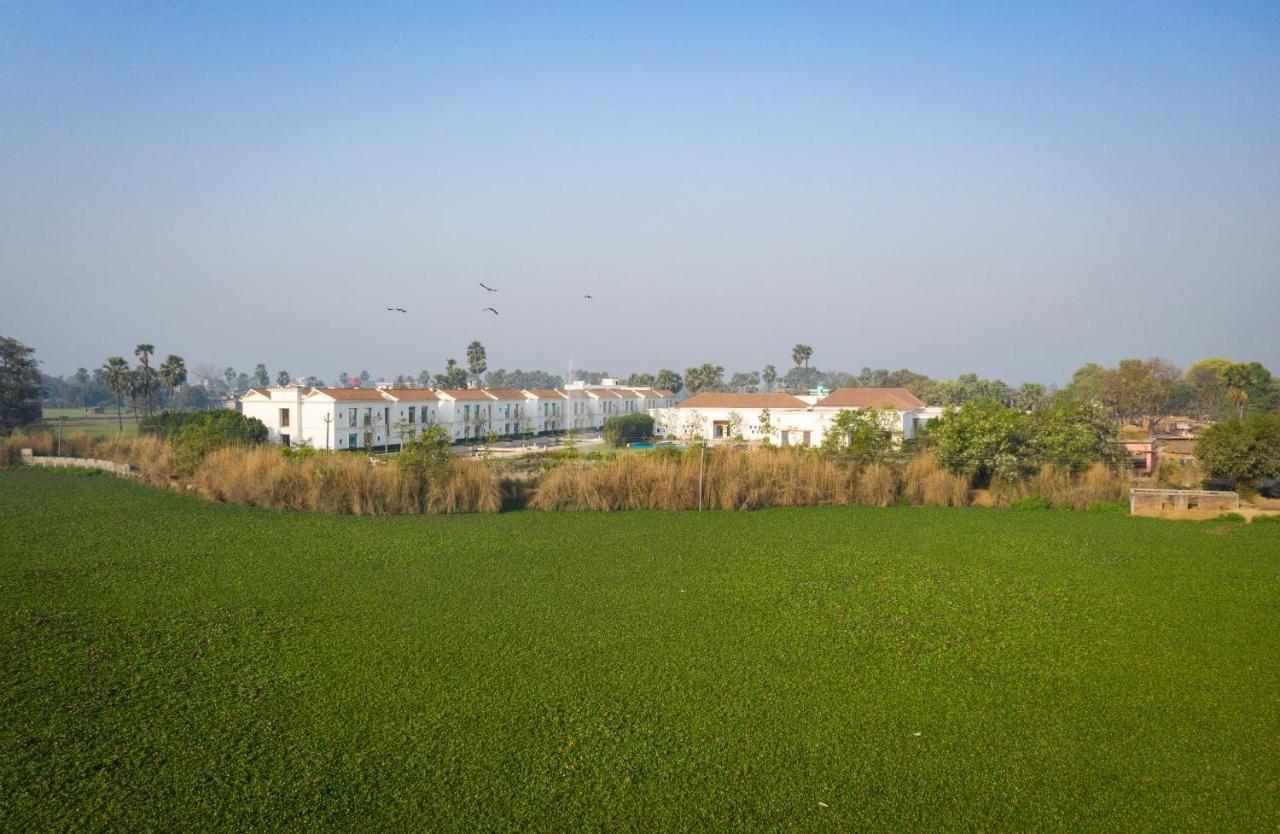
(30, 459)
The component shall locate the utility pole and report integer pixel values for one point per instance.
(62, 419)
(328, 418)
(702, 466)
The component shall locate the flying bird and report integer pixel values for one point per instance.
(487, 287)
(589, 298)
(397, 309)
(490, 309)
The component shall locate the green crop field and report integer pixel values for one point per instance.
(173, 664)
(74, 420)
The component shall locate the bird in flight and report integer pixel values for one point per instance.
(397, 309)
(487, 287)
(490, 309)
(589, 298)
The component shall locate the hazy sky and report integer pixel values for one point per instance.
(1005, 188)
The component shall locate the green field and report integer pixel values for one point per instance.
(174, 664)
(95, 425)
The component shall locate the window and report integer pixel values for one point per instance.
(284, 418)
(284, 440)
(368, 416)
(412, 418)
(352, 440)
(351, 416)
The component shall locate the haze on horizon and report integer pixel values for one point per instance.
(952, 188)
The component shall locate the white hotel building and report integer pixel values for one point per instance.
(784, 419)
(359, 418)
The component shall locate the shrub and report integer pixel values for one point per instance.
(1266, 519)
(205, 431)
(625, 428)
(1107, 507)
(1242, 451)
(1031, 502)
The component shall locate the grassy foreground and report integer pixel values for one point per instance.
(170, 663)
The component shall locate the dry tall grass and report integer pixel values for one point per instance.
(1098, 483)
(927, 484)
(731, 480)
(342, 484)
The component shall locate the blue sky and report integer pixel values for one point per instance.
(1009, 189)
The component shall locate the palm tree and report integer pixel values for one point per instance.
(1236, 377)
(117, 377)
(800, 355)
(173, 371)
(146, 377)
(282, 379)
(770, 376)
(476, 360)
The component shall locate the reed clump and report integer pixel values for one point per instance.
(926, 484)
(342, 484)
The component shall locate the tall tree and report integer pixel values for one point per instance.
(20, 384)
(800, 354)
(260, 375)
(173, 371)
(230, 376)
(748, 382)
(705, 377)
(641, 380)
(669, 380)
(452, 377)
(1205, 380)
(770, 377)
(344, 379)
(424, 379)
(117, 377)
(282, 378)
(364, 378)
(145, 378)
(477, 362)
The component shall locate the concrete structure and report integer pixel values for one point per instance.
(28, 458)
(1157, 501)
(379, 418)
(786, 419)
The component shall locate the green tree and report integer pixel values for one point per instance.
(625, 428)
(452, 377)
(424, 379)
(1072, 434)
(145, 376)
(173, 371)
(800, 355)
(282, 379)
(1030, 396)
(229, 374)
(1245, 383)
(862, 435)
(769, 376)
(705, 377)
(748, 382)
(260, 375)
(1089, 382)
(1243, 450)
(982, 439)
(20, 385)
(641, 380)
(344, 379)
(1205, 380)
(117, 378)
(669, 380)
(477, 362)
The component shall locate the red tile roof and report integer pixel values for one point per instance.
(899, 399)
(545, 393)
(411, 393)
(348, 394)
(465, 394)
(717, 400)
(505, 393)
